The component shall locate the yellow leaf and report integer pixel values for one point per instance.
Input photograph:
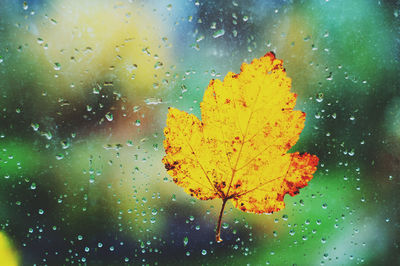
(239, 150)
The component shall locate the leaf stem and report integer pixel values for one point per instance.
(218, 233)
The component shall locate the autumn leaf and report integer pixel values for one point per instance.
(239, 149)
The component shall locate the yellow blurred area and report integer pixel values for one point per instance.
(8, 256)
(80, 43)
(297, 48)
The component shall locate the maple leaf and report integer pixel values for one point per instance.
(239, 149)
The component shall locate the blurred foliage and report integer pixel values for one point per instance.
(84, 91)
(8, 255)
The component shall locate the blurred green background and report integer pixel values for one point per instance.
(84, 91)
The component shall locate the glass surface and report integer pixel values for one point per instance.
(85, 88)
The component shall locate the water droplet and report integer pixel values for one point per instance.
(65, 144)
(60, 156)
(153, 101)
(203, 252)
(48, 135)
(183, 88)
(57, 66)
(158, 65)
(146, 51)
(41, 211)
(185, 241)
(80, 237)
(25, 5)
(200, 38)
(35, 126)
(219, 33)
(213, 25)
(195, 46)
(129, 143)
(319, 97)
(109, 116)
(330, 76)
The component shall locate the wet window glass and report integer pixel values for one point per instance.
(85, 89)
